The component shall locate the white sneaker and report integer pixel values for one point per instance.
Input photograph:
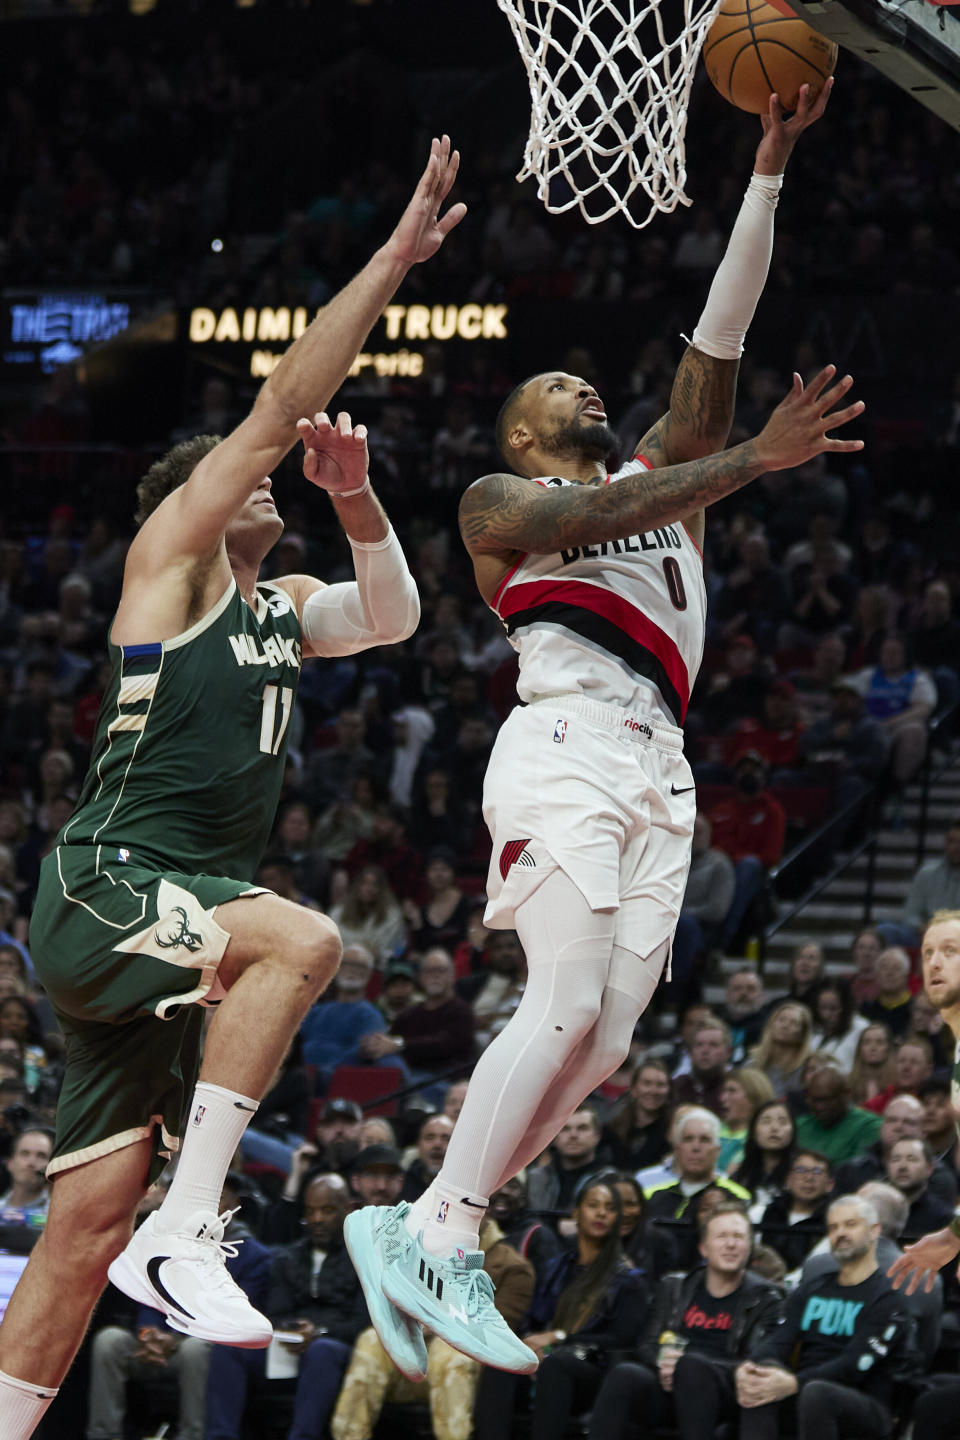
(183, 1273)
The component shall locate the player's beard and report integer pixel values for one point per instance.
(948, 999)
(570, 439)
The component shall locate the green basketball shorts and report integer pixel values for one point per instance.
(127, 955)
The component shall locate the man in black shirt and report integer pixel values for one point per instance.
(700, 1326)
(832, 1355)
(910, 1164)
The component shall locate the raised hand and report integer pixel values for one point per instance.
(421, 230)
(334, 456)
(922, 1261)
(798, 428)
(780, 135)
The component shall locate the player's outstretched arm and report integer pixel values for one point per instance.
(704, 391)
(380, 607)
(504, 512)
(309, 373)
(921, 1263)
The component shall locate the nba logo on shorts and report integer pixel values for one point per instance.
(559, 732)
(442, 1211)
(123, 856)
(200, 1112)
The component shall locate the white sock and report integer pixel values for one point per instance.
(22, 1406)
(218, 1118)
(449, 1219)
(421, 1210)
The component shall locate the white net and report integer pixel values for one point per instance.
(610, 83)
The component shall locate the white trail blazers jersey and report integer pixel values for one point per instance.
(622, 622)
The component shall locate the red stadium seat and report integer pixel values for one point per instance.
(366, 1084)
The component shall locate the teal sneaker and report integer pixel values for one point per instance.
(375, 1237)
(454, 1296)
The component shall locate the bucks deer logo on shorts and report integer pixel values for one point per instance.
(179, 933)
(515, 852)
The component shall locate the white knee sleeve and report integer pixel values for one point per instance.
(568, 948)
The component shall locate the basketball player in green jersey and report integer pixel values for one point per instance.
(940, 953)
(145, 908)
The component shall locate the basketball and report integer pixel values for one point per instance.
(754, 50)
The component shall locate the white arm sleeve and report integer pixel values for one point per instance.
(380, 607)
(740, 279)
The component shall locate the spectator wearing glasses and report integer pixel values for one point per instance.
(794, 1221)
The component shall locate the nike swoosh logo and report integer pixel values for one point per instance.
(153, 1274)
(685, 791)
(250, 1109)
(472, 1203)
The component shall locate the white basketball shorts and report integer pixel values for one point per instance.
(602, 794)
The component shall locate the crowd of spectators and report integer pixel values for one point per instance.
(680, 1254)
(718, 1156)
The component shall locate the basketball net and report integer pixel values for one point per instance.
(609, 88)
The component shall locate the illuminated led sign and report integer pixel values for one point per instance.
(282, 323)
(44, 329)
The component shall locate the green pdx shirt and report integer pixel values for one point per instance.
(189, 751)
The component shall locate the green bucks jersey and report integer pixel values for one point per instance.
(189, 751)
(955, 1083)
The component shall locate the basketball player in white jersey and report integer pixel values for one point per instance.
(588, 797)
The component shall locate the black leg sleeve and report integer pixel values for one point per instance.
(629, 1405)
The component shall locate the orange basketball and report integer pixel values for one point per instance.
(754, 50)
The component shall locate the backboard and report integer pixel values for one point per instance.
(915, 43)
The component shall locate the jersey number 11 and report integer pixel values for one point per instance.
(270, 742)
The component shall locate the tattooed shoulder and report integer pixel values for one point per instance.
(493, 508)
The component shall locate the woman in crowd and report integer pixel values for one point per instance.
(743, 1091)
(836, 1025)
(590, 1301)
(637, 1127)
(435, 819)
(370, 915)
(874, 1063)
(767, 1155)
(648, 1247)
(865, 952)
(807, 969)
(346, 821)
(18, 1019)
(784, 1046)
(442, 918)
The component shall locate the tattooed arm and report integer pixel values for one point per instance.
(698, 421)
(504, 513)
